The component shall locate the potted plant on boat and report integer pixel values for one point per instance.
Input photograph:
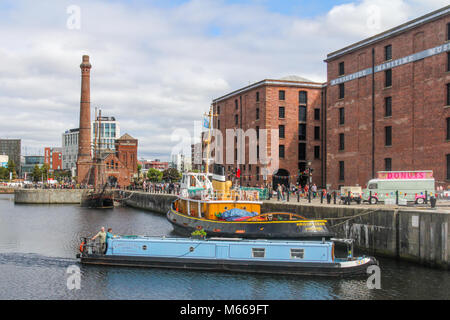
(198, 234)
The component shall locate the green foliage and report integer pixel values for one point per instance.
(200, 233)
(12, 168)
(171, 175)
(154, 175)
(4, 173)
(36, 174)
(44, 171)
(61, 175)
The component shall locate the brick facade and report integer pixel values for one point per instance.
(84, 161)
(258, 106)
(53, 158)
(417, 96)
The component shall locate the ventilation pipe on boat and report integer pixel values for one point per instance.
(220, 185)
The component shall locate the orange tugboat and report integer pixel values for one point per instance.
(220, 211)
(208, 202)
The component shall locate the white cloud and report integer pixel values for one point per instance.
(157, 69)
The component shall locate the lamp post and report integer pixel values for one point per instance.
(309, 181)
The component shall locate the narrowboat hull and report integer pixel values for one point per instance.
(295, 229)
(283, 257)
(336, 269)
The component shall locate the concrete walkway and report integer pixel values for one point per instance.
(442, 206)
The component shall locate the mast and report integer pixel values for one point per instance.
(210, 116)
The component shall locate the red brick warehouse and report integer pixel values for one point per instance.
(388, 103)
(291, 105)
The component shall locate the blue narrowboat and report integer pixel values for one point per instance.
(225, 254)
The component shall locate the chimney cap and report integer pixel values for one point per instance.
(85, 63)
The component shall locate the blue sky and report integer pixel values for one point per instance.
(158, 64)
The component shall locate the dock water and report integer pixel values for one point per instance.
(413, 234)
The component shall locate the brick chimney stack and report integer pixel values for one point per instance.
(84, 140)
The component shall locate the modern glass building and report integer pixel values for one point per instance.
(12, 149)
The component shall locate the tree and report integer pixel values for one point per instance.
(36, 174)
(44, 171)
(171, 175)
(12, 168)
(4, 173)
(154, 175)
(62, 175)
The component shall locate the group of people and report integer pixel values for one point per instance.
(103, 238)
(172, 188)
(282, 190)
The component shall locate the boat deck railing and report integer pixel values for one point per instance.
(232, 195)
(91, 246)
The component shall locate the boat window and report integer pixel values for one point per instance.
(258, 252)
(297, 253)
(373, 186)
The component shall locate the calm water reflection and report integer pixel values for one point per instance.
(39, 242)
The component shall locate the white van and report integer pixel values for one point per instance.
(411, 190)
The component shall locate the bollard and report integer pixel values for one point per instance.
(298, 196)
(396, 197)
(348, 198)
(334, 197)
(321, 196)
(426, 197)
(278, 196)
(309, 196)
(328, 198)
(288, 193)
(433, 202)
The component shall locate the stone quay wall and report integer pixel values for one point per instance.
(420, 236)
(48, 196)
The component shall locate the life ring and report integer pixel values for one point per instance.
(82, 246)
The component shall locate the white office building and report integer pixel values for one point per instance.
(181, 162)
(70, 150)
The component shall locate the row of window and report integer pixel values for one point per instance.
(388, 81)
(387, 134)
(296, 253)
(387, 138)
(301, 132)
(301, 151)
(302, 99)
(281, 115)
(387, 57)
(302, 113)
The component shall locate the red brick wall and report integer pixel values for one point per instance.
(268, 105)
(418, 109)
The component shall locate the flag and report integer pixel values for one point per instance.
(206, 123)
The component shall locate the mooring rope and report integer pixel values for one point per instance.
(349, 218)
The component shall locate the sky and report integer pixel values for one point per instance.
(158, 64)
